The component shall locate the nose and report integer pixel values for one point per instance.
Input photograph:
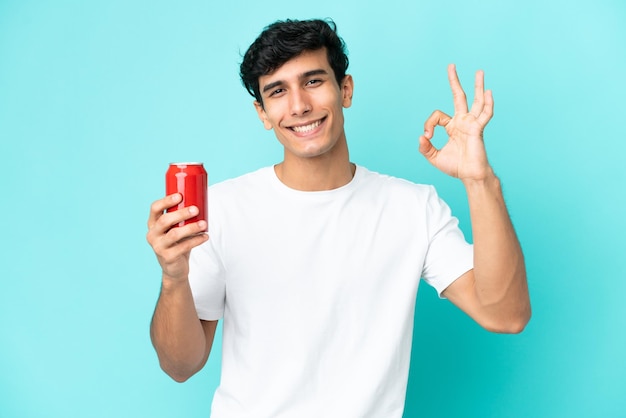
(299, 103)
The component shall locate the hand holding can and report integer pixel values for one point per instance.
(190, 180)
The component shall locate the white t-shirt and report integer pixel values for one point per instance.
(317, 291)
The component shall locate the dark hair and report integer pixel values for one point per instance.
(284, 40)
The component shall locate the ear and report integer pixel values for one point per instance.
(347, 89)
(262, 115)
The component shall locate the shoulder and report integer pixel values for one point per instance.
(400, 196)
(389, 185)
(252, 180)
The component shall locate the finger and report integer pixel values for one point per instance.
(458, 95)
(158, 206)
(174, 218)
(487, 112)
(437, 118)
(187, 244)
(166, 223)
(183, 233)
(427, 149)
(479, 94)
(162, 241)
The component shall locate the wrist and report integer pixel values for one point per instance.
(171, 283)
(488, 178)
(489, 184)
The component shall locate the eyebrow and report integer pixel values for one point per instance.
(303, 75)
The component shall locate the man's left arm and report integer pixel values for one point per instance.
(495, 293)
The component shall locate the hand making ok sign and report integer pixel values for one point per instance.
(464, 155)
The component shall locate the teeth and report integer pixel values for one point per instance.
(306, 128)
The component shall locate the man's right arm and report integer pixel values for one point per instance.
(182, 341)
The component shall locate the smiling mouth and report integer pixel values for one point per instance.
(307, 128)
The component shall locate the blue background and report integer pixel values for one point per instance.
(97, 97)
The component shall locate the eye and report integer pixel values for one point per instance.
(314, 82)
(276, 92)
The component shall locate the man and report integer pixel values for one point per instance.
(314, 263)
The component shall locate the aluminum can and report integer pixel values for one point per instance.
(191, 181)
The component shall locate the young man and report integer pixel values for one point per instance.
(314, 263)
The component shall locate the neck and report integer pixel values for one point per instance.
(315, 174)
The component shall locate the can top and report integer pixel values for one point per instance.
(187, 163)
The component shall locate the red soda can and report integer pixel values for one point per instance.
(191, 181)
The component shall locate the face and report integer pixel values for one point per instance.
(303, 104)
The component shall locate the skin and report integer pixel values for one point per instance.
(303, 104)
(495, 293)
(304, 92)
(182, 341)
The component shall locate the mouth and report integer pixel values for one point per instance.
(304, 129)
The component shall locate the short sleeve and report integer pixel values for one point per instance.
(207, 281)
(449, 255)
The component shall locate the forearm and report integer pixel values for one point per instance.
(177, 333)
(499, 269)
